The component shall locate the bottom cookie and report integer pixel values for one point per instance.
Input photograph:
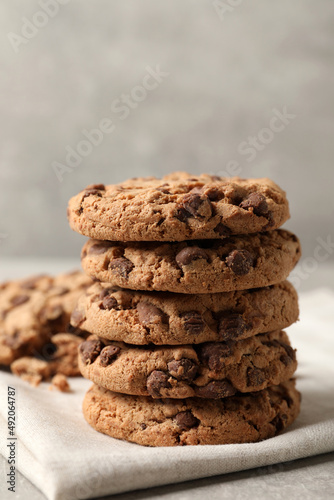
(239, 419)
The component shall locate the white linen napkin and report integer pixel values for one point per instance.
(67, 460)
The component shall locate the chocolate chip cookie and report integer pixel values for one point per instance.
(237, 263)
(166, 318)
(211, 370)
(170, 422)
(178, 207)
(32, 310)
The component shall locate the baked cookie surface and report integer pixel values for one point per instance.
(237, 263)
(194, 421)
(138, 317)
(210, 370)
(178, 207)
(32, 310)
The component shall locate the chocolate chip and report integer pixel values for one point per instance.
(77, 317)
(257, 202)
(255, 377)
(240, 261)
(231, 326)
(197, 205)
(181, 214)
(108, 354)
(288, 400)
(286, 360)
(105, 292)
(163, 190)
(290, 352)
(278, 343)
(89, 350)
(215, 194)
(156, 381)
(222, 230)
(193, 322)
(271, 343)
(194, 205)
(90, 192)
(271, 222)
(183, 369)
(149, 314)
(213, 354)
(186, 420)
(19, 300)
(256, 427)
(279, 422)
(99, 248)
(216, 389)
(93, 192)
(189, 254)
(290, 355)
(109, 303)
(143, 426)
(96, 186)
(121, 266)
(235, 199)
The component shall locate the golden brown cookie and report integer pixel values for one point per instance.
(238, 419)
(168, 318)
(178, 207)
(211, 370)
(236, 263)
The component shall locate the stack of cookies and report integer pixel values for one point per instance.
(187, 309)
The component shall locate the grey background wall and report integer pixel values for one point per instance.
(227, 69)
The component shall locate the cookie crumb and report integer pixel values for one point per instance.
(60, 383)
(31, 370)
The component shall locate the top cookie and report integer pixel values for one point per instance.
(178, 207)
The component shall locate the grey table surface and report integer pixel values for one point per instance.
(309, 478)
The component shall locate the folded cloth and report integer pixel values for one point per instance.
(66, 459)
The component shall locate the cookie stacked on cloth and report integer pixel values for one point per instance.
(187, 309)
